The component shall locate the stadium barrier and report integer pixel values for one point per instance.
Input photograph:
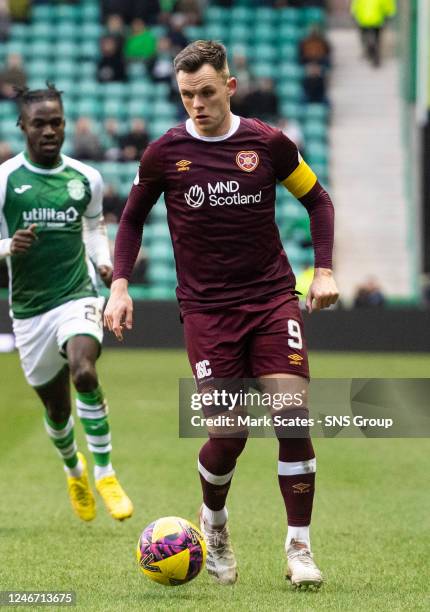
(157, 325)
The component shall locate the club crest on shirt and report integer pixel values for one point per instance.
(247, 160)
(76, 189)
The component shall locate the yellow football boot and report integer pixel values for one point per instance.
(115, 498)
(81, 496)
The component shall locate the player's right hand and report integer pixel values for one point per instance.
(119, 311)
(23, 239)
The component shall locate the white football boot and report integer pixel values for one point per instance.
(302, 570)
(220, 559)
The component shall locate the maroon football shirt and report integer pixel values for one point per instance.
(220, 197)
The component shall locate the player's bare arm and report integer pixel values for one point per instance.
(323, 291)
(119, 310)
(106, 273)
(23, 239)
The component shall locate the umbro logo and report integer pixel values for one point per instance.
(22, 189)
(295, 359)
(183, 165)
(301, 487)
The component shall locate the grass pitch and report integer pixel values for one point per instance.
(370, 526)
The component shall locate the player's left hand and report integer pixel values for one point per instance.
(106, 275)
(323, 291)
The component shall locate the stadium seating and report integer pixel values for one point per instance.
(62, 43)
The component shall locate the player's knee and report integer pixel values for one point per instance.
(84, 376)
(58, 414)
(229, 447)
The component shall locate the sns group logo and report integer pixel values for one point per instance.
(195, 196)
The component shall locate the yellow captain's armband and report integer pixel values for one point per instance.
(301, 180)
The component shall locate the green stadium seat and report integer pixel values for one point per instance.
(264, 69)
(316, 153)
(216, 14)
(90, 12)
(160, 231)
(140, 108)
(291, 70)
(115, 90)
(161, 251)
(113, 108)
(291, 91)
(140, 89)
(67, 49)
(65, 68)
(40, 70)
(315, 130)
(265, 53)
(313, 15)
(161, 274)
(89, 49)
(160, 293)
(66, 31)
(43, 30)
(162, 109)
(264, 14)
(239, 33)
(90, 30)
(289, 32)
(88, 107)
(15, 46)
(8, 109)
(41, 49)
(265, 33)
(214, 31)
(42, 13)
(87, 70)
(194, 32)
(288, 15)
(65, 84)
(288, 52)
(137, 71)
(292, 110)
(19, 31)
(90, 88)
(241, 14)
(65, 12)
(316, 111)
(158, 127)
(159, 30)
(161, 91)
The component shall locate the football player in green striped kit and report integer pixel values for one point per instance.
(51, 229)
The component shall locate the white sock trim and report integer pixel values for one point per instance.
(301, 534)
(213, 478)
(76, 471)
(57, 434)
(215, 518)
(100, 471)
(104, 439)
(293, 468)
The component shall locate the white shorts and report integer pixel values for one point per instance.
(40, 339)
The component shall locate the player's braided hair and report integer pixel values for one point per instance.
(26, 97)
(201, 52)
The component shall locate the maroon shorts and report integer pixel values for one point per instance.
(247, 341)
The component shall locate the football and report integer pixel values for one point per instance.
(171, 551)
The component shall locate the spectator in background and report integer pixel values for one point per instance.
(148, 11)
(111, 139)
(191, 9)
(293, 131)
(176, 34)
(239, 68)
(315, 49)
(111, 65)
(314, 85)
(262, 102)
(161, 66)
(369, 295)
(123, 8)
(5, 152)
(135, 141)
(4, 20)
(370, 16)
(86, 144)
(13, 75)
(116, 29)
(112, 202)
(20, 10)
(141, 43)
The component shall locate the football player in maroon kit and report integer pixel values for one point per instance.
(236, 289)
